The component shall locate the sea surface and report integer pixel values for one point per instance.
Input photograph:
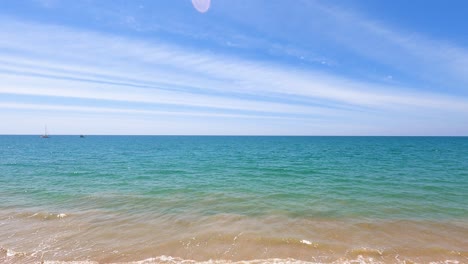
(191, 199)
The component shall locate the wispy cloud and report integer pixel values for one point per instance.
(357, 44)
(53, 61)
(436, 61)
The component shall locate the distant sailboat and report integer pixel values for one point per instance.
(46, 135)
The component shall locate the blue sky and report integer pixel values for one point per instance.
(244, 67)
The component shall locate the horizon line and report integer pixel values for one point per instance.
(229, 135)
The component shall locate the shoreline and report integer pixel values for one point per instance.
(230, 239)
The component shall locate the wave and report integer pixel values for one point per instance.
(11, 253)
(10, 256)
(174, 260)
(366, 252)
(39, 215)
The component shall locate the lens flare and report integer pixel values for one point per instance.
(201, 5)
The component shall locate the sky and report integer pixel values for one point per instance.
(234, 67)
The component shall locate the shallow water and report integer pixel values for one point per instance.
(259, 199)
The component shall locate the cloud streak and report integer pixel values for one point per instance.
(52, 61)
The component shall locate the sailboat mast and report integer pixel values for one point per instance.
(45, 132)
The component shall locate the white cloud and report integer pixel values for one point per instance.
(358, 43)
(88, 109)
(418, 55)
(54, 61)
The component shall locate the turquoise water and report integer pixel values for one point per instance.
(264, 199)
(408, 178)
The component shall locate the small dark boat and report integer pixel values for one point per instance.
(82, 136)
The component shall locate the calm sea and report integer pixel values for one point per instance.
(173, 199)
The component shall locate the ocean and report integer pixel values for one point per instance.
(218, 199)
